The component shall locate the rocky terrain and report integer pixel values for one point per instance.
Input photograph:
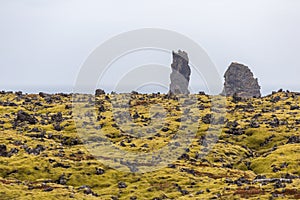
(239, 81)
(256, 155)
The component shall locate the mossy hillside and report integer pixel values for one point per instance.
(198, 175)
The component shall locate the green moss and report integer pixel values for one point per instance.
(257, 151)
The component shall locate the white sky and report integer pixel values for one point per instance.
(43, 43)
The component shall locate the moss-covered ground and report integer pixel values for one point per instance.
(49, 158)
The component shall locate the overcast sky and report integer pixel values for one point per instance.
(43, 43)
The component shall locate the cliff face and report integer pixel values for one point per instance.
(239, 81)
(180, 75)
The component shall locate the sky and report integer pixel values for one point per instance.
(44, 43)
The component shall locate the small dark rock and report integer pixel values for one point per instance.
(99, 171)
(122, 185)
(62, 180)
(99, 92)
(207, 119)
(48, 189)
(23, 116)
(293, 139)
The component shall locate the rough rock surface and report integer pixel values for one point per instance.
(181, 72)
(99, 92)
(239, 81)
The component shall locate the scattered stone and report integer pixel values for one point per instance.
(184, 157)
(207, 119)
(122, 185)
(99, 92)
(172, 166)
(274, 123)
(136, 115)
(3, 150)
(35, 151)
(23, 116)
(254, 124)
(272, 180)
(57, 127)
(48, 189)
(294, 108)
(165, 129)
(200, 192)
(62, 180)
(57, 117)
(61, 165)
(293, 139)
(99, 171)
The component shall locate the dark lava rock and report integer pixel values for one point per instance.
(275, 99)
(254, 124)
(87, 190)
(200, 192)
(207, 119)
(240, 181)
(101, 108)
(184, 157)
(12, 104)
(57, 117)
(99, 171)
(235, 131)
(134, 92)
(69, 141)
(290, 176)
(62, 180)
(48, 189)
(274, 123)
(35, 151)
(57, 127)
(279, 184)
(5, 153)
(61, 165)
(43, 95)
(180, 75)
(19, 93)
(12, 151)
(23, 116)
(239, 80)
(165, 129)
(294, 108)
(122, 185)
(260, 177)
(135, 115)
(99, 92)
(293, 139)
(171, 166)
(184, 192)
(3, 150)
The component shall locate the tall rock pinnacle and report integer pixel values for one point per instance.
(181, 72)
(239, 81)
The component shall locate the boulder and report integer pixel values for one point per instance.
(239, 82)
(99, 92)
